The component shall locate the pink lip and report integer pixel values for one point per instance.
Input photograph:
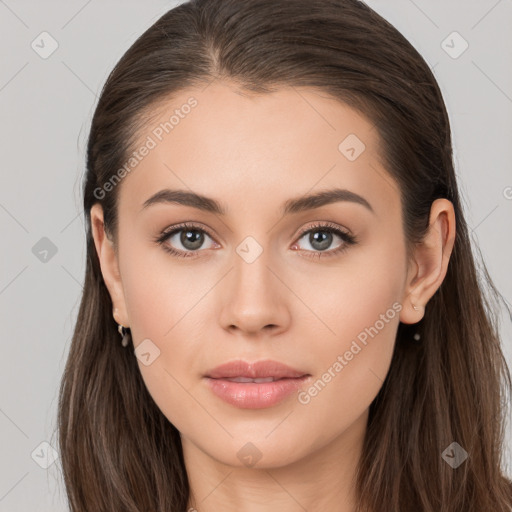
(255, 395)
(257, 369)
(252, 395)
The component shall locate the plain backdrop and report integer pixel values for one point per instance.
(46, 104)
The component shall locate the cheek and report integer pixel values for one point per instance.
(362, 316)
(168, 305)
(351, 368)
(161, 294)
(359, 292)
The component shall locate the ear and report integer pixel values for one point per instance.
(109, 265)
(430, 261)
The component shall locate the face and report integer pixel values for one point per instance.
(317, 285)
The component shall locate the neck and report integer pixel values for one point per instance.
(323, 480)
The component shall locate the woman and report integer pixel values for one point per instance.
(275, 229)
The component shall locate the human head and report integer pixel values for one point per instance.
(257, 50)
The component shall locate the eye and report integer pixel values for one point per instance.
(191, 238)
(321, 236)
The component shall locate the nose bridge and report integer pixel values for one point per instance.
(254, 298)
(251, 264)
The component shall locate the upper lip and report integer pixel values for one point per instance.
(254, 370)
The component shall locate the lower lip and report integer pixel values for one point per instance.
(252, 395)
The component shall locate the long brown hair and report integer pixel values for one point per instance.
(118, 451)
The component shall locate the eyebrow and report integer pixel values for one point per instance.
(296, 205)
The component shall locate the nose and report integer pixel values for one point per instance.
(254, 298)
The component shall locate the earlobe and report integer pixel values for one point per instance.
(109, 264)
(431, 258)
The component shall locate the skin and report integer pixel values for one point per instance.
(252, 153)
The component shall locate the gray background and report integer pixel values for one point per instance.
(46, 105)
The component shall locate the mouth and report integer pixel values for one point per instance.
(253, 394)
(255, 385)
(257, 370)
(257, 380)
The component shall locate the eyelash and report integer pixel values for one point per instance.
(348, 239)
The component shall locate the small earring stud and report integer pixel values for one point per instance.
(123, 331)
(125, 334)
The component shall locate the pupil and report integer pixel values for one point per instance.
(320, 240)
(191, 239)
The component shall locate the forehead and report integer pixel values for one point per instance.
(257, 150)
